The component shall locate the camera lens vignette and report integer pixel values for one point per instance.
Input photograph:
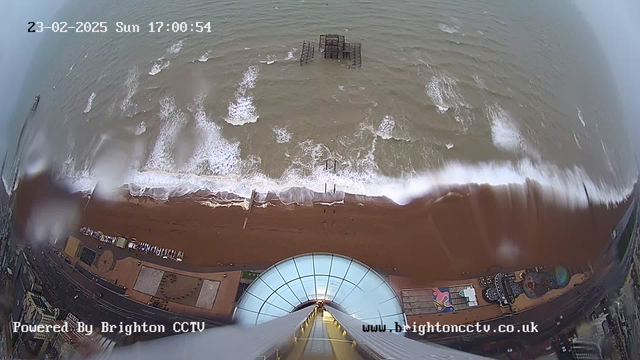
(319, 180)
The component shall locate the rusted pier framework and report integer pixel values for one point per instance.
(308, 52)
(333, 46)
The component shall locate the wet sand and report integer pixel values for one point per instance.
(471, 231)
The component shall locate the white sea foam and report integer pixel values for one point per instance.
(204, 56)
(444, 92)
(563, 186)
(158, 66)
(173, 120)
(215, 165)
(89, 103)
(580, 117)
(449, 29)
(505, 134)
(175, 48)
(213, 154)
(110, 110)
(479, 81)
(385, 130)
(242, 111)
(282, 135)
(575, 137)
(130, 88)
(141, 128)
(271, 59)
(290, 55)
(341, 87)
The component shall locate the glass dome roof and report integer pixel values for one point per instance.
(354, 287)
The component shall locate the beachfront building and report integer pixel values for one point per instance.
(37, 311)
(73, 344)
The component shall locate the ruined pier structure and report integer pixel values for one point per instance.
(333, 46)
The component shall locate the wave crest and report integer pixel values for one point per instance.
(242, 111)
(89, 102)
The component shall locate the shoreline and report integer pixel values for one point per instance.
(304, 197)
(504, 227)
(566, 184)
(296, 196)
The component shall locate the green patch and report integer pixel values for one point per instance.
(250, 275)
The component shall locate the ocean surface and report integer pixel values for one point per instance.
(450, 92)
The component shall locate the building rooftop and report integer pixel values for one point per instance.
(300, 280)
(41, 303)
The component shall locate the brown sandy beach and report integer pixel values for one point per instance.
(467, 232)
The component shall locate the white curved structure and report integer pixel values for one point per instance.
(338, 280)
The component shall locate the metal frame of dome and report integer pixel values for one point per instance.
(355, 287)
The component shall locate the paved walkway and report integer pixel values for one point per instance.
(119, 254)
(111, 307)
(129, 263)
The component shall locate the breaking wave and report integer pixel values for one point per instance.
(173, 120)
(564, 186)
(242, 111)
(158, 66)
(217, 165)
(290, 55)
(175, 48)
(89, 103)
(444, 92)
(213, 154)
(282, 135)
(385, 130)
(449, 29)
(505, 134)
(141, 128)
(130, 88)
(204, 56)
